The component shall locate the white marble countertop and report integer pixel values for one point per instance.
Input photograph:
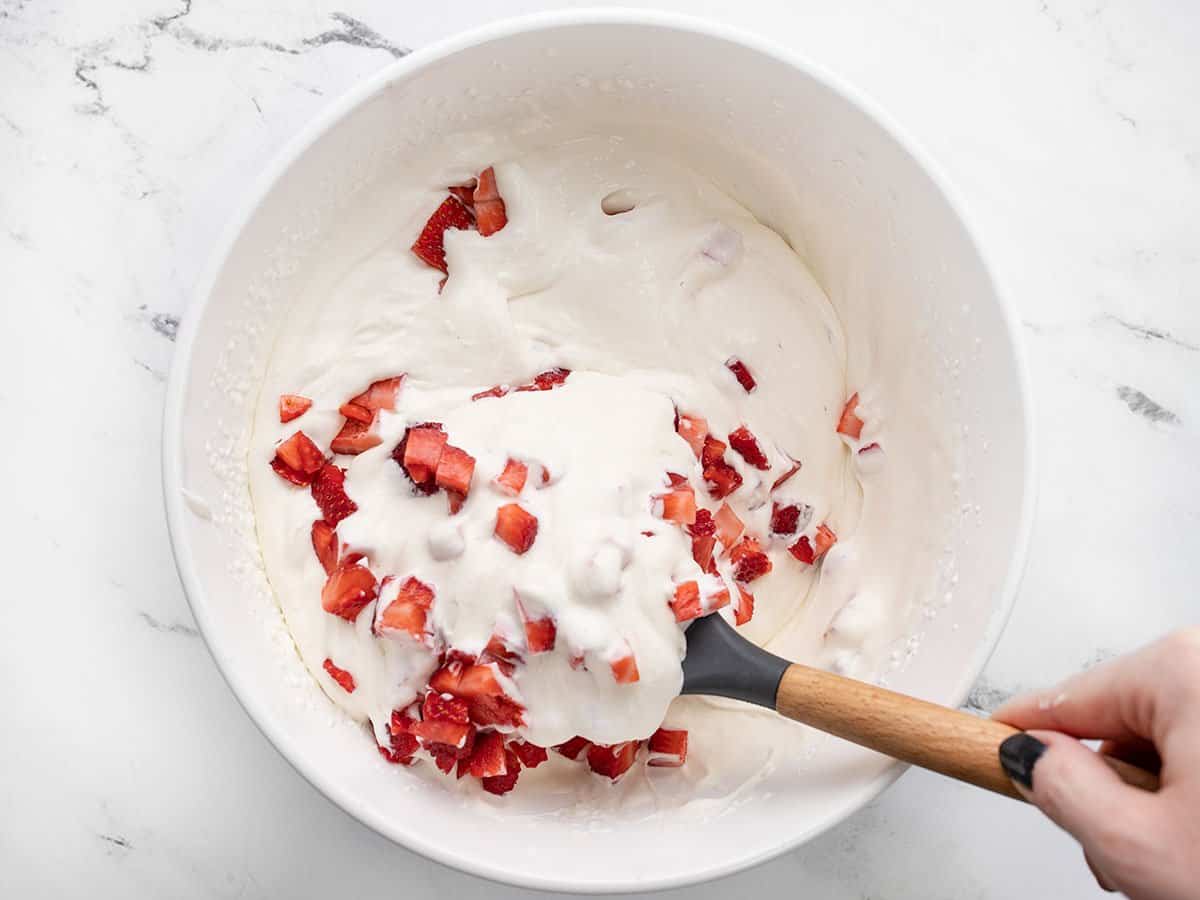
(128, 133)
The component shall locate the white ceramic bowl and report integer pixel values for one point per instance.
(802, 150)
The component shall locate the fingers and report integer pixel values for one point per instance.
(1138, 752)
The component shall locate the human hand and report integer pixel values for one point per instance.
(1146, 709)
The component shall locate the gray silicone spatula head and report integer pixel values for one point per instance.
(721, 662)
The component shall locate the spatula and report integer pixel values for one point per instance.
(721, 662)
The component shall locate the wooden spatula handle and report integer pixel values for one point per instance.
(933, 737)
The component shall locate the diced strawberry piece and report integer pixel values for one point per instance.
(577, 660)
(403, 720)
(355, 437)
(379, 395)
(512, 480)
(502, 784)
(453, 736)
(850, 424)
(686, 602)
(782, 479)
(430, 246)
(402, 750)
(572, 748)
(676, 480)
(612, 761)
(497, 391)
(455, 501)
(344, 679)
(329, 492)
(694, 430)
(704, 524)
(292, 406)
(348, 590)
(454, 470)
(516, 527)
(465, 193)
(548, 380)
(497, 649)
(478, 685)
(668, 747)
(490, 214)
(444, 758)
(325, 545)
(721, 479)
(746, 445)
(487, 759)
(729, 526)
(803, 550)
(785, 518)
(408, 610)
(824, 539)
(624, 667)
(741, 373)
(703, 547)
(540, 634)
(749, 562)
(423, 447)
(745, 607)
(530, 755)
(298, 459)
(677, 506)
(712, 450)
(448, 709)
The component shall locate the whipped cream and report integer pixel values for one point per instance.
(644, 280)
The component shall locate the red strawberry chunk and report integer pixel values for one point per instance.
(612, 761)
(344, 679)
(540, 634)
(824, 539)
(744, 610)
(478, 685)
(516, 527)
(729, 526)
(490, 213)
(423, 446)
(512, 480)
(741, 373)
(624, 667)
(703, 547)
(749, 562)
(448, 709)
(497, 391)
(782, 479)
(379, 395)
(677, 506)
(454, 470)
(704, 524)
(443, 757)
(400, 754)
(548, 380)
(668, 747)
(325, 545)
(348, 590)
(686, 602)
(694, 430)
(502, 784)
(803, 550)
(746, 444)
(329, 492)
(292, 406)
(298, 459)
(785, 518)
(355, 437)
(498, 650)
(850, 424)
(430, 246)
(487, 759)
(530, 755)
(573, 748)
(403, 720)
(453, 736)
(721, 479)
(465, 193)
(408, 611)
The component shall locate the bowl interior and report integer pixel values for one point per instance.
(877, 231)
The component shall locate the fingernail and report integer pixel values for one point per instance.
(1018, 755)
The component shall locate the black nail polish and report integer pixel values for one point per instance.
(1018, 754)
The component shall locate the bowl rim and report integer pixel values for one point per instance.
(330, 116)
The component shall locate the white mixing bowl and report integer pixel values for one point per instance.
(809, 156)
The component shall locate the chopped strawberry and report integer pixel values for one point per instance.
(399, 755)
(478, 685)
(850, 424)
(430, 245)
(489, 206)
(803, 550)
(325, 545)
(403, 720)
(721, 478)
(612, 761)
(548, 380)
(298, 459)
(454, 470)
(746, 444)
(729, 526)
(825, 538)
(679, 505)
(516, 527)
(785, 518)
(465, 193)
(686, 602)
(624, 667)
(512, 480)
(782, 479)
(487, 759)
(497, 391)
(348, 590)
(329, 492)
(703, 547)
(694, 430)
(745, 607)
(445, 722)
(502, 784)
(408, 610)
(456, 501)
(498, 650)
(577, 660)
(379, 395)
(704, 524)
(572, 748)
(540, 633)
(445, 759)
(530, 755)
(676, 480)
(344, 679)
(749, 562)
(448, 709)
(423, 448)
(741, 373)
(354, 438)
(292, 406)
(668, 747)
